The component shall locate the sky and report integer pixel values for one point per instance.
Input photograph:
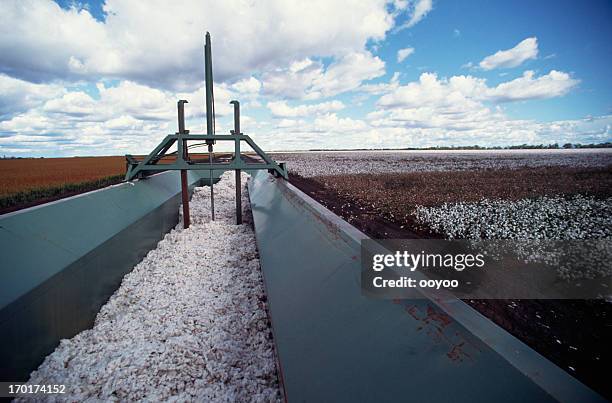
(103, 77)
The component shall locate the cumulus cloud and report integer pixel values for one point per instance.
(525, 50)
(283, 110)
(249, 85)
(308, 79)
(288, 123)
(39, 41)
(402, 54)
(330, 122)
(347, 74)
(429, 89)
(386, 129)
(284, 54)
(131, 118)
(382, 87)
(432, 102)
(17, 96)
(460, 106)
(418, 10)
(293, 81)
(277, 49)
(553, 84)
(124, 118)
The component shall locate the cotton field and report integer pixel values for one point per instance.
(314, 164)
(189, 323)
(556, 217)
(577, 217)
(507, 194)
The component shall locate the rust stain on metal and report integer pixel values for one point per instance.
(457, 353)
(437, 325)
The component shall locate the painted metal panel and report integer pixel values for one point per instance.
(334, 344)
(61, 262)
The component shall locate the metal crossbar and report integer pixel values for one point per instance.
(150, 163)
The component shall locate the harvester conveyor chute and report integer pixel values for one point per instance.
(335, 344)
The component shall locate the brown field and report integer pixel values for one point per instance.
(20, 175)
(25, 174)
(26, 182)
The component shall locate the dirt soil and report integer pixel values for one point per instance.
(403, 191)
(574, 334)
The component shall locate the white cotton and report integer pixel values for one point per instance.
(189, 323)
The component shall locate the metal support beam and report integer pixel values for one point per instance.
(212, 188)
(185, 196)
(208, 76)
(237, 157)
(210, 115)
(182, 150)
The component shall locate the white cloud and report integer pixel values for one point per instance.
(271, 52)
(419, 9)
(381, 88)
(330, 122)
(126, 118)
(525, 50)
(429, 90)
(434, 103)
(77, 104)
(458, 108)
(308, 79)
(39, 41)
(402, 54)
(130, 118)
(17, 96)
(462, 89)
(294, 81)
(553, 84)
(249, 85)
(288, 123)
(384, 129)
(347, 74)
(283, 110)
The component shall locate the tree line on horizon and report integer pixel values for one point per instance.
(553, 146)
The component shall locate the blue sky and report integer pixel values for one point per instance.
(103, 77)
(575, 36)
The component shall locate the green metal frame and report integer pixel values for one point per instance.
(137, 169)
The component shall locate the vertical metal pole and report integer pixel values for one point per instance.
(181, 115)
(236, 132)
(185, 194)
(212, 189)
(182, 155)
(210, 123)
(238, 198)
(208, 75)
